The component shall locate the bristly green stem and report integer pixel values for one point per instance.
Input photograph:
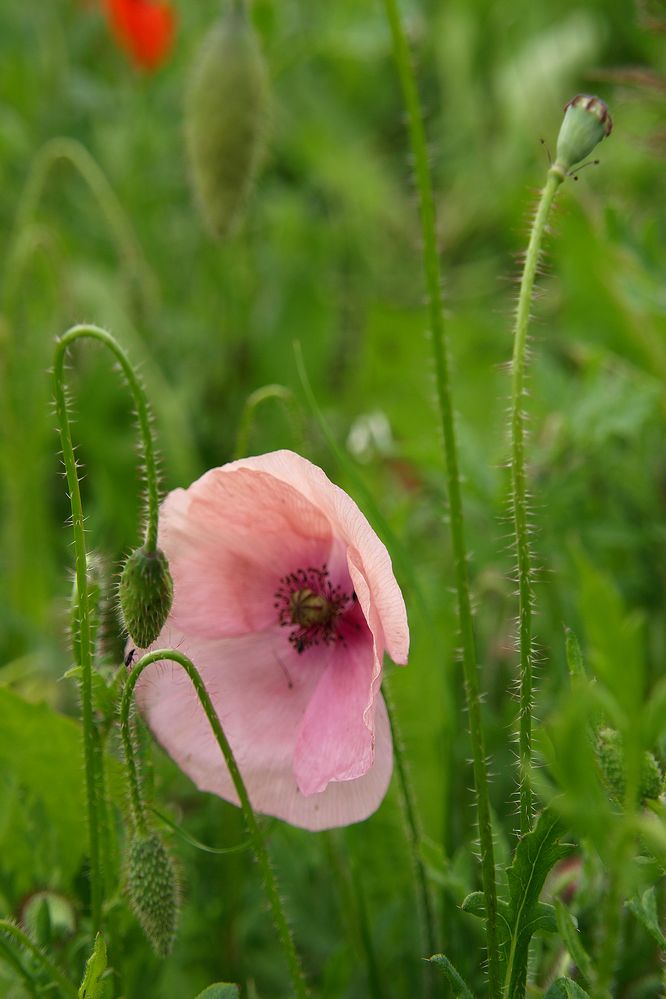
(66, 989)
(149, 460)
(519, 492)
(435, 306)
(82, 644)
(414, 835)
(261, 853)
(81, 648)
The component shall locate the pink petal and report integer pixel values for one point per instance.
(230, 538)
(336, 738)
(349, 524)
(260, 688)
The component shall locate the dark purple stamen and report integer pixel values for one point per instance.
(307, 602)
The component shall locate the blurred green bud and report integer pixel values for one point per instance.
(152, 889)
(226, 110)
(652, 778)
(586, 123)
(610, 755)
(48, 917)
(146, 595)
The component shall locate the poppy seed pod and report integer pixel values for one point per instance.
(152, 889)
(225, 117)
(586, 122)
(146, 595)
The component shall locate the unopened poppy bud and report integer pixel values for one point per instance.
(586, 122)
(152, 889)
(610, 754)
(146, 595)
(225, 117)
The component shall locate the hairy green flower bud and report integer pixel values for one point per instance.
(146, 595)
(152, 889)
(610, 755)
(226, 110)
(586, 123)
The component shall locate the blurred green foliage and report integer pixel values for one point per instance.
(329, 256)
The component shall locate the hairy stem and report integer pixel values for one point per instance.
(82, 630)
(82, 643)
(435, 307)
(149, 460)
(413, 830)
(137, 805)
(261, 853)
(519, 493)
(67, 989)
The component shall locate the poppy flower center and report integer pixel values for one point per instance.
(309, 604)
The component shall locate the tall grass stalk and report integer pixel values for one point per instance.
(419, 150)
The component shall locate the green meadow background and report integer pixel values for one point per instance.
(329, 256)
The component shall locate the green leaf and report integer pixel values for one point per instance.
(459, 986)
(536, 854)
(91, 987)
(221, 990)
(42, 786)
(616, 637)
(565, 988)
(572, 940)
(645, 911)
(544, 914)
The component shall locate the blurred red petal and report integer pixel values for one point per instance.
(144, 30)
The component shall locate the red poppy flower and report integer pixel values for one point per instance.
(144, 29)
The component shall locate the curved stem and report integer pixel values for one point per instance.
(261, 853)
(67, 989)
(137, 806)
(82, 633)
(119, 225)
(414, 836)
(252, 403)
(519, 492)
(142, 412)
(435, 307)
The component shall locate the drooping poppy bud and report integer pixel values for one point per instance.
(226, 111)
(152, 889)
(146, 595)
(586, 122)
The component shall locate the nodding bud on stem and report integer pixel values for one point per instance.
(151, 884)
(610, 755)
(586, 122)
(225, 116)
(146, 595)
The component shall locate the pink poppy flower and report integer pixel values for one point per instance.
(285, 599)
